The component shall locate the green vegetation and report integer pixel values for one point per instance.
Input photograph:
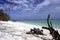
(4, 16)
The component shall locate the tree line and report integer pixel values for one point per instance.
(4, 16)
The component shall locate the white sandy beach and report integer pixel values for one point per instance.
(17, 31)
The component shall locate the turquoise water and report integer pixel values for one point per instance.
(55, 23)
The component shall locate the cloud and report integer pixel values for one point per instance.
(55, 1)
(23, 5)
(30, 9)
(15, 4)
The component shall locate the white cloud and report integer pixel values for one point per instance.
(27, 5)
(55, 1)
(24, 3)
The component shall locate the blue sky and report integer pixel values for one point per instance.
(31, 9)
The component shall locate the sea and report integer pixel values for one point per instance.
(55, 23)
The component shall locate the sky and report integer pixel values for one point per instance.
(31, 9)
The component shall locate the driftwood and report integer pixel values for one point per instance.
(53, 32)
(35, 31)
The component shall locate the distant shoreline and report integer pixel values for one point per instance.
(55, 23)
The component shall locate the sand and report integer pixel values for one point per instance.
(17, 31)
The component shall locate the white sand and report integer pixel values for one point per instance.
(17, 31)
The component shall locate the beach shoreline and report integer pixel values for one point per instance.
(18, 31)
